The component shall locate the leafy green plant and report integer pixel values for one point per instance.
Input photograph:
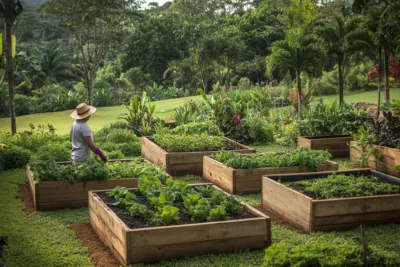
(13, 157)
(302, 157)
(341, 185)
(167, 215)
(207, 127)
(140, 211)
(365, 139)
(187, 143)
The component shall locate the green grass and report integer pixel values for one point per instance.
(164, 108)
(42, 238)
(62, 122)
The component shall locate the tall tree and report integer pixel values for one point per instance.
(338, 35)
(9, 10)
(96, 26)
(300, 50)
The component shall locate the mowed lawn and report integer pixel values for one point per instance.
(62, 122)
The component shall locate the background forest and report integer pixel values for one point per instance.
(105, 51)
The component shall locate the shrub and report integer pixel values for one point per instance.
(260, 131)
(14, 157)
(207, 127)
(115, 154)
(22, 104)
(56, 151)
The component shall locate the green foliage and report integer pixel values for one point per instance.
(365, 139)
(187, 143)
(326, 254)
(13, 157)
(207, 127)
(56, 151)
(302, 157)
(167, 215)
(341, 185)
(334, 119)
(260, 131)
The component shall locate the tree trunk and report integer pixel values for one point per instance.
(379, 81)
(386, 66)
(341, 86)
(10, 74)
(298, 94)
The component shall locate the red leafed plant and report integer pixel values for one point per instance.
(394, 69)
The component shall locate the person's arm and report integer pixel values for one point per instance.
(92, 146)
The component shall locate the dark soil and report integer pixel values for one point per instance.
(98, 252)
(135, 223)
(228, 146)
(278, 219)
(26, 196)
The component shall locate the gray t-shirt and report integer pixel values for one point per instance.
(80, 151)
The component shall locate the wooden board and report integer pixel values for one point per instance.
(329, 214)
(245, 181)
(390, 158)
(181, 163)
(338, 145)
(177, 241)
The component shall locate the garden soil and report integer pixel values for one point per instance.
(98, 252)
(26, 196)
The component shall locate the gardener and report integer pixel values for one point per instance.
(81, 136)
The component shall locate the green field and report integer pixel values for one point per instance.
(62, 122)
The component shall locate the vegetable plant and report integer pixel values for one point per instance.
(188, 143)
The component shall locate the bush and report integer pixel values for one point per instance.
(14, 157)
(207, 127)
(22, 104)
(115, 154)
(55, 151)
(260, 131)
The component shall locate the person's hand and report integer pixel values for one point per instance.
(101, 155)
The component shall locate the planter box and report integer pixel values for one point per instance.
(53, 195)
(390, 158)
(177, 241)
(246, 181)
(329, 214)
(181, 163)
(337, 145)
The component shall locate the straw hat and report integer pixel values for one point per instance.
(82, 111)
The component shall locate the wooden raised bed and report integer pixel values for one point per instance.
(329, 214)
(177, 241)
(181, 163)
(63, 194)
(390, 158)
(245, 181)
(337, 145)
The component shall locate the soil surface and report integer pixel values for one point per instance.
(135, 223)
(98, 252)
(26, 196)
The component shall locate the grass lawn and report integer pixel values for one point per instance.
(62, 122)
(43, 238)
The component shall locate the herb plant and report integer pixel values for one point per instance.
(341, 185)
(188, 143)
(302, 157)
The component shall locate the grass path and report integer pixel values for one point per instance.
(164, 108)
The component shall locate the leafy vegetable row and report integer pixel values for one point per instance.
(202, 203)
(341, 185)
(48, 170)
(189, 142)
(303, 157)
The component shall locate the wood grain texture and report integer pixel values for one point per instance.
(338, 146)
(177, 241)
(181, 163)
(246, 181)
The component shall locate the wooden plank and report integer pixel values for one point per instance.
(286, 199)
(165, 252)
(152, 152)
(219, 174)
(116, 245)
(352, 225)
(355, 205)
(359, 218)
(178, 234)
(32, 185)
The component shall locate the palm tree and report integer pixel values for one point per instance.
(9, 10)
(305, 55)
(338, 36)
(55, 63)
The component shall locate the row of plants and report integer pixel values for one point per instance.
(46, 169)
(341, 186)
(302, 157)
(166, 200)
(189, 142)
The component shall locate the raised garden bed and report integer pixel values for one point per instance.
(181, 163)
(311, 214)
(51, 195)
(247, 181)
(152, 244)
(337, 145)
(390, 158)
